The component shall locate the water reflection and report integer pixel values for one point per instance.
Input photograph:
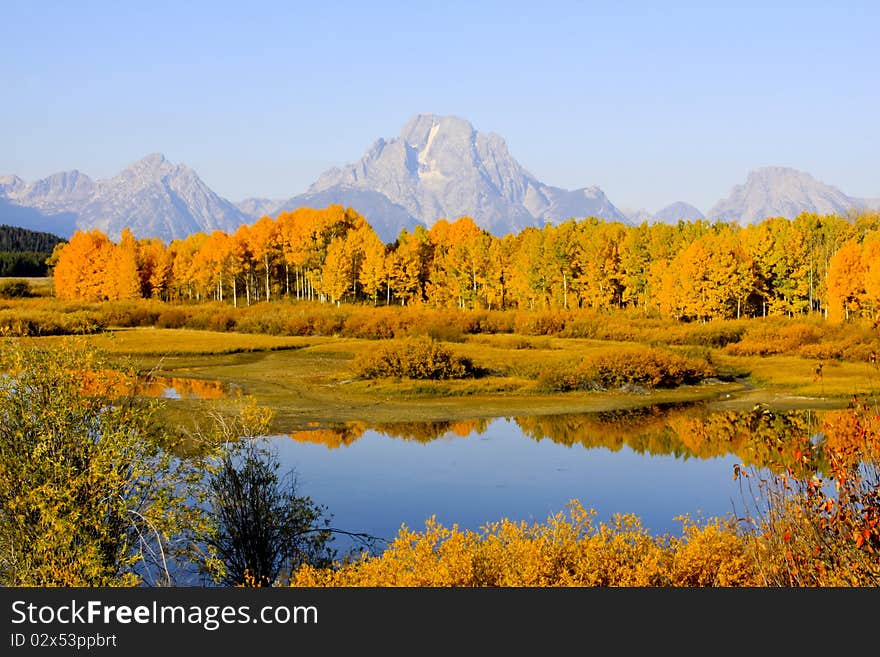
(176, 387)
(760, 437)
(659, 463)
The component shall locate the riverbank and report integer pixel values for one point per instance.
(308, 380)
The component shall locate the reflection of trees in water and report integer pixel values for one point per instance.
(331, 438)
(759, 437)
(422, 432)
(425, 432)
(643, 430)
(156, 386)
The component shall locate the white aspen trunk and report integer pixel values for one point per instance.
(267, 275)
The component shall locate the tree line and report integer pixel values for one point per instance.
(23, 252)
(691, 270)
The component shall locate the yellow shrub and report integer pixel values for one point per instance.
(646, 366)
(414, 358)
(566, 550)
(714, 554)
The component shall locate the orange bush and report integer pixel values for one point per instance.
(414, 358)
(655, 368)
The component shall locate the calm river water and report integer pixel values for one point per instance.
(373, 479)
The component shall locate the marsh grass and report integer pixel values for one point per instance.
(151, 341)
(312, 374)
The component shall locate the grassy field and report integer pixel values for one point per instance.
(146, 342)
(310, 379)
(42, 286)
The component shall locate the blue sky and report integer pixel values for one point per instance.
(653, 102)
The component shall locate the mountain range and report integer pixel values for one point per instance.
(153, 197)
(437, 167)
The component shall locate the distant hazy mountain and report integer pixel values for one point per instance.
(10, 184)
(441, 167)
(781, 192)
(671, 214)
(679, 210)
(153, 197)
(260, 207)
(438, 167)
(636, 217)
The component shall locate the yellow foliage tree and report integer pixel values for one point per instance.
(871, 261)
(124, 280)
(81, 270)
(845, 281)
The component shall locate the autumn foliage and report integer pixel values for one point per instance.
(650, 367)
(692, 271)
(808, 514)
(813, 520)
(413, 358)
(569, 549)
(91, 494)
(655, 368)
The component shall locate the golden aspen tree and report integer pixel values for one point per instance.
(66, 272)
(440, 286)
(82, 267)
(154, 265)
(293, 228)
(561, 263)
(123, 279)
(527, 285)
(728, 275)
(685, 284)
(405, 268)
(599, 264)
(262, 236)
(240, 262)
(209, 265)
(182, 272)
(337, 271)
(831, 233)
(846, 276)
(498, 272)
(466, 259)
(373, 274)
(358, 239)
(635, 261)
(871, 262)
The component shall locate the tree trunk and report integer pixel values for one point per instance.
(267, 275)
